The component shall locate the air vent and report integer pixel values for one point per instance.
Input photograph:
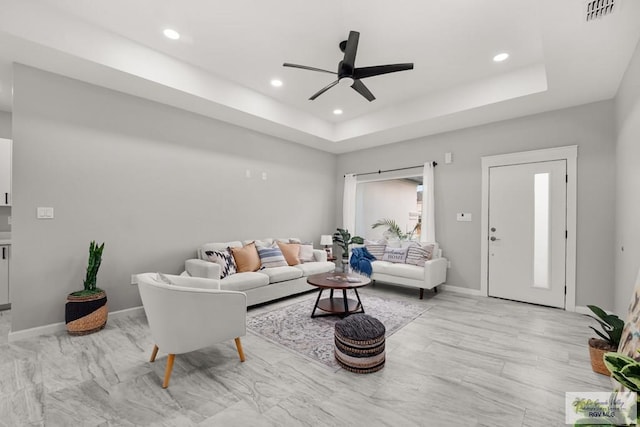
(600, 8)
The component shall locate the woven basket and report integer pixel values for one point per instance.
(86, 314)
(597, 357)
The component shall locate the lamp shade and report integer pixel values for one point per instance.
(326, 240)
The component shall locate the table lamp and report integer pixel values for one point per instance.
(326, 240)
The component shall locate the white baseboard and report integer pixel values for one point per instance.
(60, 326)
(459, 290)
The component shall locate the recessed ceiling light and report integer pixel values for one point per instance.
(500, 57)
(171, 34)
(276, 83)
(337, 111)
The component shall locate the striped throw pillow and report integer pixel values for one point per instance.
(271, 257)
(225, 260)
(376, 247)
(418, 254)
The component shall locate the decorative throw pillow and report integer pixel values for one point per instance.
(397, 255)
(376, 247)
(306, 252)
(290, 252)
(418, 254)
(224, 259)
(272, 257)
(246, 258)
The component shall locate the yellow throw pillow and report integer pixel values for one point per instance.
(290, 252)
(246, 258)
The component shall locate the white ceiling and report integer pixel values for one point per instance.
(229, 51)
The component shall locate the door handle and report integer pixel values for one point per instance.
(493, 238)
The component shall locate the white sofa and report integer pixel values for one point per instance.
(429, 276)
(264, 285)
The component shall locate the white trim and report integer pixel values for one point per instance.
(459, 290)
(568, 153)
(53, 328)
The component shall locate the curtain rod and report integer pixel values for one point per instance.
(391, 170)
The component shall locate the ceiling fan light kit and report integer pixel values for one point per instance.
(347, 72)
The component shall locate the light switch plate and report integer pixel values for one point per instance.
(44, 213)
(463, 216)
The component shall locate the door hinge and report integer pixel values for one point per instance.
(565, 290)
(566, 234)
(566, 178)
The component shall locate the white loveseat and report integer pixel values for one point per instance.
(427, 276)
(263, 285)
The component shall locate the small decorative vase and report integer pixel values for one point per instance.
(86, 314)
(346, 268)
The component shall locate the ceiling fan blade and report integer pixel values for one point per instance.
(350, 50)
(304, 67)
(359, 87)
(364, 72)
(323, 90)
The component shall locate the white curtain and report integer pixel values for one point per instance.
(349, 203)
(428, 227)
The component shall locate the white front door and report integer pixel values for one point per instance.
(527, 232)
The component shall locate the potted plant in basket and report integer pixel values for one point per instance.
(609, 340)
(86, 310)
(344, 239)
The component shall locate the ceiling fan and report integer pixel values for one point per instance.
(347, 71)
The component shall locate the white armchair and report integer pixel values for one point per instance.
(188, 313)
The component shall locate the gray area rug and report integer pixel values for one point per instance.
(292, 326)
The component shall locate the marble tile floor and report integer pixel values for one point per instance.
(467, 361)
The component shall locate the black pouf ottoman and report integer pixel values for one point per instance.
(359, 341)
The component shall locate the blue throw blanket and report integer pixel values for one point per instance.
(361, 261)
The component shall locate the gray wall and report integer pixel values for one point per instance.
(458, 186)
(5, 132)
(151, 181)
(628, 184)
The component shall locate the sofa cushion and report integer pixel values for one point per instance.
(310, 268)
(244, 281)
(306, 252)
(290, 252)
(419, 253)
(224, 259)
(376, 247)
(217, 247)
(281, 274)
(401, 270)
(271, 257)
(259, 243)
(247, 258)
(398, 255)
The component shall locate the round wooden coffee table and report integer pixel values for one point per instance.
(338, 281)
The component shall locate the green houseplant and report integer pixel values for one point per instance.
(393, 229)
(618, 410)
(86, 310)
(344, 239)
(609, 340)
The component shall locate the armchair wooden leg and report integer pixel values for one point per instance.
(167, 371)
(154, 353)
(239, 347)
(421, 293)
